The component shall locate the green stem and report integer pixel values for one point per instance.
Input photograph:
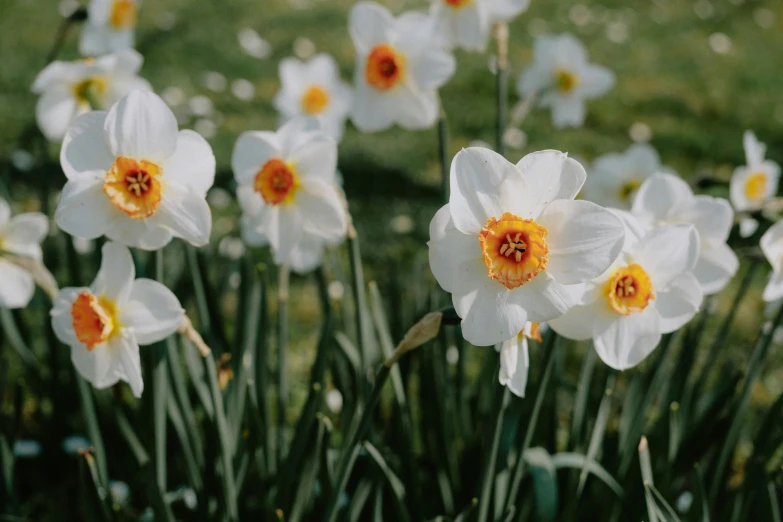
(443, 149)
(501, 38)
(93, 428)
(502, 399)
(160, 387)
(282, 347)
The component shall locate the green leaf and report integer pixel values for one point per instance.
(397, 487)
(597, 438)
(542, 470)
(579, 461)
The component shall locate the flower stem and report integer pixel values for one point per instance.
(500, 32)
(502, 399)
(282, 347)
(443, 149)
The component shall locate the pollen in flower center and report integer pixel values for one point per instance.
(90, 90)
(134, 187)
(385, 67)
(629, 188)
(277, 182)
(315, 100)
(94, 319)
(515, 249)
(629, 290)
(123, 14)
(565, 80)
(456, 4)
(756, 186)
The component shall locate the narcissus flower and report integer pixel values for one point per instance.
(110, 27)
(648, 291)
(511, 243)
(772, 246)
(667, 199)
(134, 178)
(562, 78)
(20, 236)
(314, 88)
(615, 177)
(399, 68)
(754, 183)
(466, 23)
(515, 360)
(67, 89)
(105, 323)
(286, 188)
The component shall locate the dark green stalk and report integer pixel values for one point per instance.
(93, 428)
(78, 15)
(502, 399)
(261, 370)
(160, 388)
(360, 307)
(443, 149)
(282, 347)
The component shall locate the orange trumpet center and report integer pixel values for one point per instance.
(276, 182)
(456, 4)
(629, 290)
(385, 67)
(315, 100)
(123, 14)
(134, 186)
(515, 249)
(756, 186)
(94, 319)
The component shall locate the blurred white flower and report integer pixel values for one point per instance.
(466, 23)
(648, 291)
(511, 243)
(515, 360)
(336, 290)
(83, 246)
(562, 78)
(134, 178)
(314, 88)
(66, 89)
(119, 492)
(243, 89)
(665, 199)
(73, 444)
(287, 191)
(398, 69)
(105, 323)
(640, 132)
(26, 448)
(110, 27)
(772, 246)
(615, 177)
(753, 183)
(200, 105)
(22, 160)
(20, 236)
(334, 401)
(214, 81)
(303, 47)
(252, 43)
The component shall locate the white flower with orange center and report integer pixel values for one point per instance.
(665, 199)
(561, 78)
(110, 27)
(512, 246)
(67, 89)
(20, 236)
(650, 290)
(286, 187)
(615, 178)
(466, 23)
(105, 323)
(753, 183)
(515, 359)
(772, 246)
(134, 178)
(314, 88)
(399, 68)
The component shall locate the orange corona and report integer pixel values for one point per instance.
(315, 100)
(123, 14)
(385, 68)
(94, 320)
(756, 186)
(565, 80)
(514, 249)
(276, 182)
(134, 186)
(456, 4)
(629, 290)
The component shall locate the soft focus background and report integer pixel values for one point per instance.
(692, 76)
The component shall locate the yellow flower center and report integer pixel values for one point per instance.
(90, 90)
(629, 188)
(277, 182)
(456, 4)
(94, 319)
(565, 80)
(134, 187)
(315, 100)
(514, 249)
(385, 68)
(123, 14)
(629, 290)
(756, 186)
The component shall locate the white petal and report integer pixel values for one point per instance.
(316, 158)
(628, 339)
(142, 126)
(192, 164)
(661, 194)
(147, 234)
(517, 382)
(449, 248)
(754, 149)
(433, 68)
(739, 199)
(774, 288)
(283, 227)
(578, 322)
(568, 111)
(307, 254)
(471, 27)
(372, 111)
(55, 111)
(116, 274)
(369, 24)
(679, 303)
(152, 312)
(5, 212)
(415, 108)
(596, 81)
(62, 320)
(712, 217)
(716, 266)
(322, 209)
(84, 210)
(185, 213)
(583, 239)
(505, 10)
(93, 40)
(97, 366)
(666, 252)
(16, 285)
(24, 232)
(84, 147)
(251, 151)
(293, 75)
(772, 245)
(252, 232)
(128, 362)
(748, 227)
(552, 175)
(542, 298)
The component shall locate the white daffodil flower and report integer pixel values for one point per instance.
(20, 236)
(665, 199)
(287, 191)
(648, 291)
(67, 89)
(772, 246)
(399, 68)
(105, 323)
(314, 88)
(511, 244)
(467, 23)
(561, 78)
(110, 27)
(615, 177)
(753, 183)
(515, 360)
(134, 178)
